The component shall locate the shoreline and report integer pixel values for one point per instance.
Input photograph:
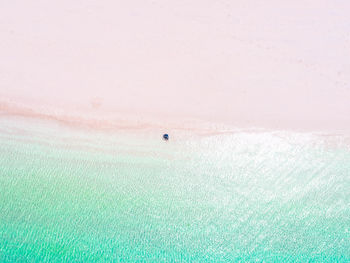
(109, 120)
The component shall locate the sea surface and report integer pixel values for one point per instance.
(76, 194)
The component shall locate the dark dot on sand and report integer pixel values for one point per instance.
(165, 137)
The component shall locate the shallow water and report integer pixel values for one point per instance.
(72, 194)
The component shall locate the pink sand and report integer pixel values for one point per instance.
(284, 64)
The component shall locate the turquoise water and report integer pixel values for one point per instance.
(72, 194)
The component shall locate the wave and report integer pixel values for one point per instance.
(96, 118)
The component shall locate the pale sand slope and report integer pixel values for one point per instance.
(244, 63)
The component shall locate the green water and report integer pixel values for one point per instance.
(72, 194)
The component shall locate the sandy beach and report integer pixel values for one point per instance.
(283, 65)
